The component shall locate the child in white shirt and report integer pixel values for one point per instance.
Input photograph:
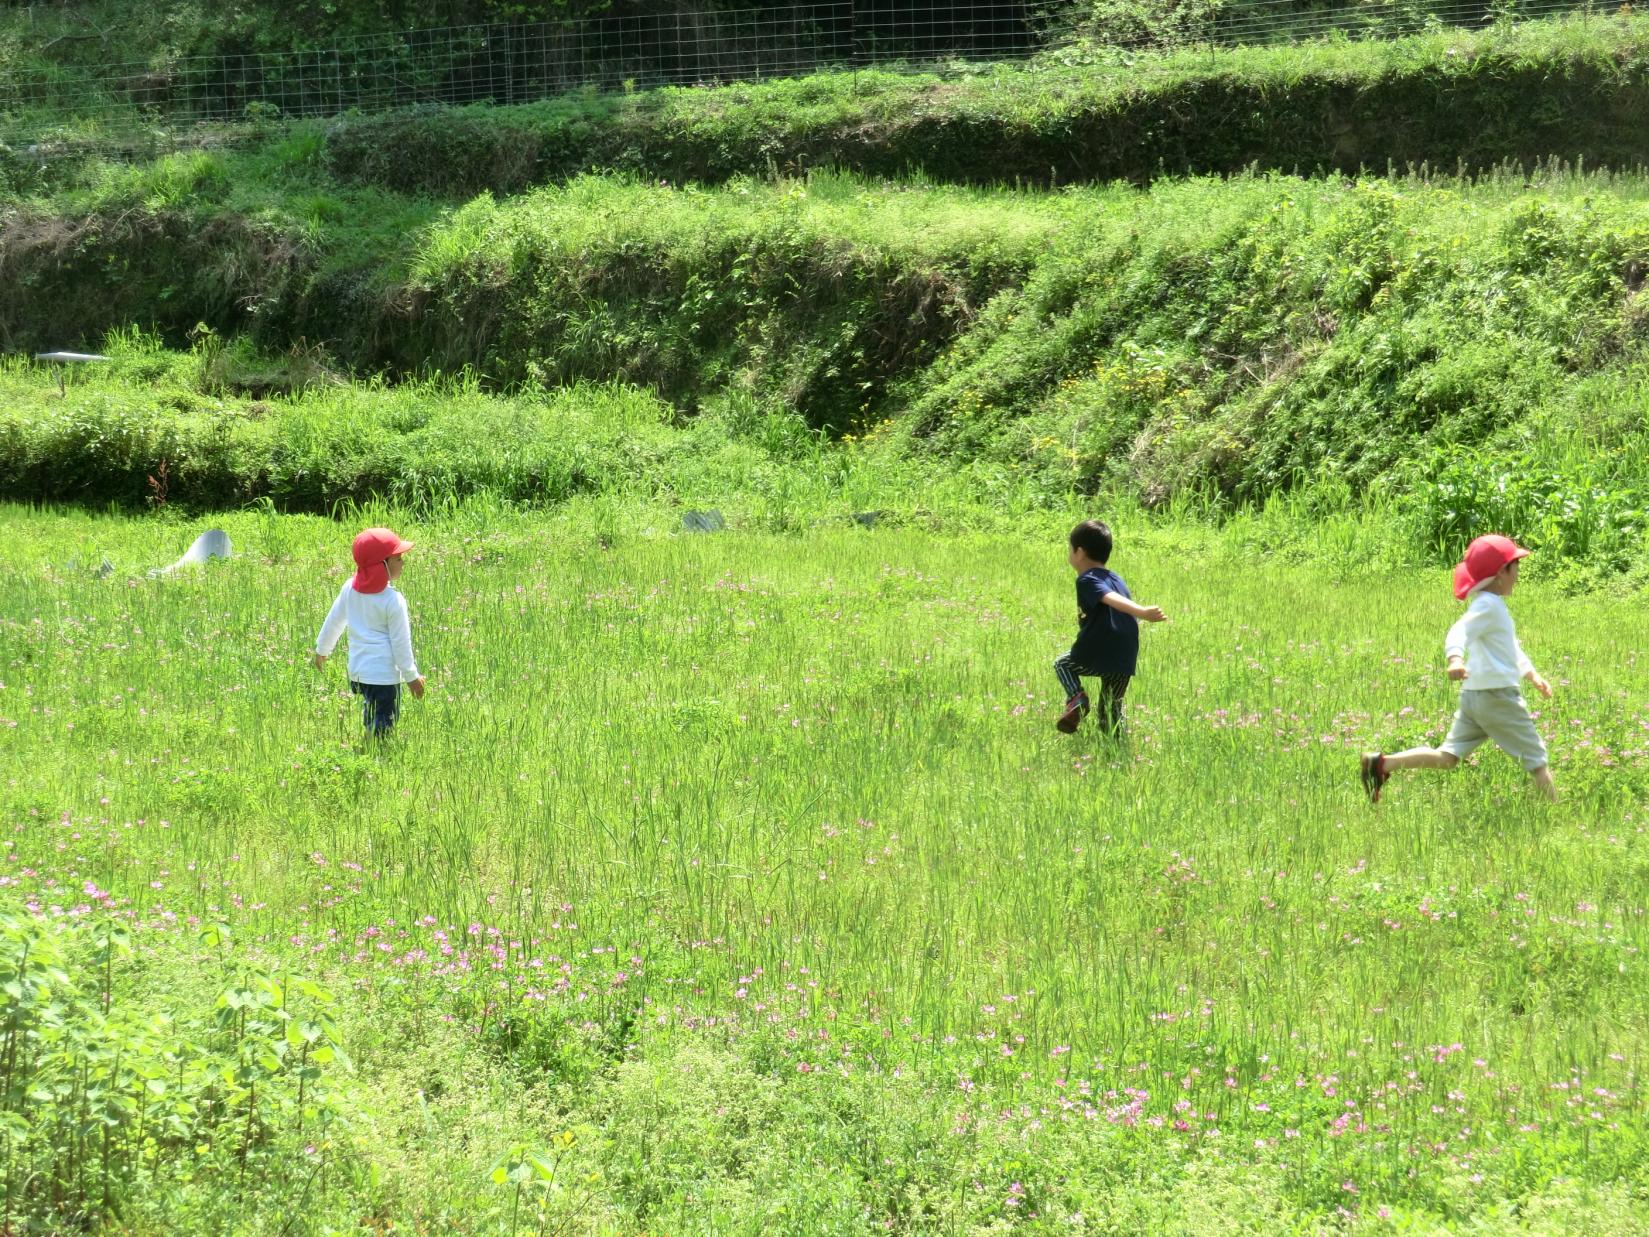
(380, 631)
(1485, 658)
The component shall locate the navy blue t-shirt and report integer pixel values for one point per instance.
(1108, 642)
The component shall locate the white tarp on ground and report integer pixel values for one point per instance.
(213, 543)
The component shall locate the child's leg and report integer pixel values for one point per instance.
(1076, 700)
(389, 709)
(1112, 688)
(1465, 736)
(1377, 767)
(1069, 678)
(380, 706)
(1420, 758)
(1504, 714)
(1543, 782)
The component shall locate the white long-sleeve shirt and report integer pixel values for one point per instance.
(1485, 637)
(380, 636)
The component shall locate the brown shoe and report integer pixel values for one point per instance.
(1374, 774)
(1076, 708)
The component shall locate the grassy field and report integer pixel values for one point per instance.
(740, 883)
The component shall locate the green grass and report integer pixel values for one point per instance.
(806, 920)
(181, 432)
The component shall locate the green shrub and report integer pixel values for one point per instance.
(105, 1097)
(162, 440)
(1565, 512)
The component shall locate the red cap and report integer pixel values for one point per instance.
(372, 546)
(1483, 561)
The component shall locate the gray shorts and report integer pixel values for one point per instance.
(1496, 713)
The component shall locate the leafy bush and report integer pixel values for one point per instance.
(104, 1096)
(1566, 513)
(1147, 23)
(1295, 330)
(146, 434)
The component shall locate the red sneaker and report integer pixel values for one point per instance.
(1374, 774)
(1076, 708)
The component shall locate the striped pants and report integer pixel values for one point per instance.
(1112, 687)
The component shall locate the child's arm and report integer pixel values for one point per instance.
(336, 621)
(1088, 597)
(1525, 667)
(400, 642)
(1454, 649)
(1151, 614)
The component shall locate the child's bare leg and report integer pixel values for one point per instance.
(1421, 758)
(1543, 782)
(1377, 768)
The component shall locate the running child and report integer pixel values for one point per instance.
(1485, 658)
(1107, 642)
(380, 631)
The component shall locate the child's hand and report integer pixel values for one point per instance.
(1153, 614)
(1540, 684)
(1457, 670)
(320, 661)
(416, 687)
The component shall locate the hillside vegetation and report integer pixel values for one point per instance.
(1209, 338)
(1459, 100)
(1471, 347)
(1573, 89)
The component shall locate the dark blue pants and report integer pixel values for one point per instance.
(380, 705)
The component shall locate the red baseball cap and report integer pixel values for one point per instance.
(372, 546)
(1483, 561)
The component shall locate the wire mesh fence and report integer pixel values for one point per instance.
(1272, 21)
(505, 64)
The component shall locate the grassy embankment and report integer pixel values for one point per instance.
(1471, 351)
(1574, 89)
(1460, 354)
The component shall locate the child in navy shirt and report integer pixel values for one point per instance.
(1107, 645)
